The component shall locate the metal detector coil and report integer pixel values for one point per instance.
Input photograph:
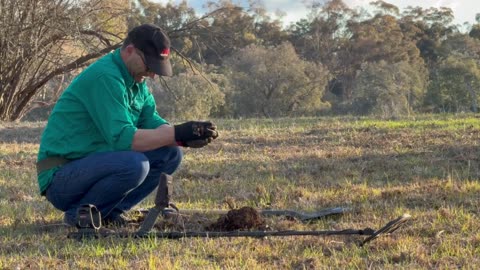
(389, 228)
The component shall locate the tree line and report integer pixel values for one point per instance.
(238, 61)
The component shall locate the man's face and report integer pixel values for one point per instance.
(138, 67)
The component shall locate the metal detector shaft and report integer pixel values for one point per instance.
(162, 201)
(177, 235)
(216, 234)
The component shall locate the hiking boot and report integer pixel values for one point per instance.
(118, 221)
(69, 221)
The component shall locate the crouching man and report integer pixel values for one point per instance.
(104, 143)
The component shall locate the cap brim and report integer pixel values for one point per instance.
(160, 67)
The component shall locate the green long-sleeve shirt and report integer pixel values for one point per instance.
(100, 111)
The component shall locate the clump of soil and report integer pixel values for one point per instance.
(238, 219)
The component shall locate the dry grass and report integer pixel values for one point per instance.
(427, 167)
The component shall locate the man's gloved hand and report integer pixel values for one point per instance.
(195, 133)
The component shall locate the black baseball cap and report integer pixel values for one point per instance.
(155, 45)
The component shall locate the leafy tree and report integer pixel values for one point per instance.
(379, 39)
(389, 90)
(461, 45)
(320, 38)
(324, 38)
(41, 39)
(428, 28)
(454, 79)
(233, 27)
(385, 8)
(475, 31)
(274, 81)
(455, 86)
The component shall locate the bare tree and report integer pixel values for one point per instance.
(41, 39)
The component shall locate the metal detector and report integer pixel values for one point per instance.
(163, 207)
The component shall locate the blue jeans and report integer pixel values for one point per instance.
(112, 181)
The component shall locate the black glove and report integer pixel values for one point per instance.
(195, 130)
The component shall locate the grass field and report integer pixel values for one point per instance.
(427, 167)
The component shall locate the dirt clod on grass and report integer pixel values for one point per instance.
(238, 219)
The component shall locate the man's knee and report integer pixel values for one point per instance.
(176, 155)
(174, 158)
(166, 159)
(136, 166)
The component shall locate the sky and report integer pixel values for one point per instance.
(464, 10)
